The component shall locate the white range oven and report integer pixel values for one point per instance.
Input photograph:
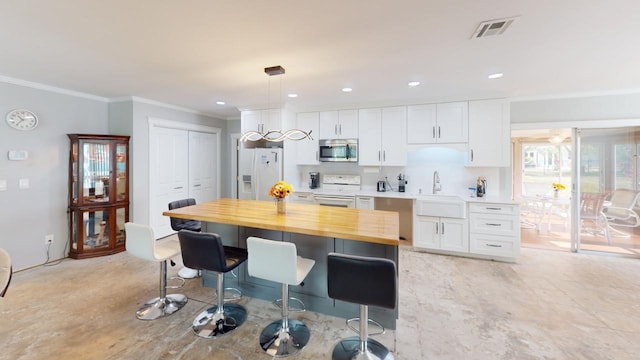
(338, 190)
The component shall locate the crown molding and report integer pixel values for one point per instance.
(39, 86)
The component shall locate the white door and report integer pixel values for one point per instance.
(454, 235)
(453, 122)
(369, 142)
(203, 166)
(169, 158)
(426, 233)
(394, 136)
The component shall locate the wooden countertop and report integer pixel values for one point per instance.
(373, 226)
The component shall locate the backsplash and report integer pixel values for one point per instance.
(455, 178)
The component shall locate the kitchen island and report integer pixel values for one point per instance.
(316, 230)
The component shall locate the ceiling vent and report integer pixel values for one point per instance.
(492, 27)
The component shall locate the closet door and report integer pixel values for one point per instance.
(169, 174)
(203, 166)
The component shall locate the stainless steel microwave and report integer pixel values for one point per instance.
(342, 150)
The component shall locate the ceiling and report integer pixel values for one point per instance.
(192, 53)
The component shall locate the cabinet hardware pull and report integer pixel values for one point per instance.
(378, 155)
(177, 188)
(317, 156)
(196, 185)
(493, 208)
(437, 229)
(335, 129)
(439, 132)
(340, 129)
(384, 155)
(490, 224)
(442, 226)
(471, 155)
(434, 132)
(494, 245)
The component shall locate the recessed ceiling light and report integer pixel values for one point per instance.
(220, 102)
(293, 95)
(347, 89)
(495, 76)
(414, 83)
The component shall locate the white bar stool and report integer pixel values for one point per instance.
(141, 243)
(278, 261)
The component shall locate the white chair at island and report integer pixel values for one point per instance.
(278, 261)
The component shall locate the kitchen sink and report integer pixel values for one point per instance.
(441, 205)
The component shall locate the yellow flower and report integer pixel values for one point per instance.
(280, 190)
(558, 186)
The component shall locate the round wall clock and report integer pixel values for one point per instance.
(21, 119)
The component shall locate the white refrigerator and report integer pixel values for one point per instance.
(258, 169)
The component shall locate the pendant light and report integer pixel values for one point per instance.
(275, 135)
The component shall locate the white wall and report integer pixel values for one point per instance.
(28, 215)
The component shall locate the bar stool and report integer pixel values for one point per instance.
(5, 271)
(205, 251)
(278, 261)
(178, 224)
(141, 243)
(365, 281)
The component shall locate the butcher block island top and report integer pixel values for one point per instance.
(373, 226)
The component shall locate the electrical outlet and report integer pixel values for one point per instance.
(48, 239)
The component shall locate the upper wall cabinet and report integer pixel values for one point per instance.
(489, 133)
(382, 136)
(342, 124)
(438, 123)
(260, 120)
(307, 153)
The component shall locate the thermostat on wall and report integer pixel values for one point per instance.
(18, 155)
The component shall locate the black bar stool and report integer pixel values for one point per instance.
(205, 251)
(178, 224)
(365, 281)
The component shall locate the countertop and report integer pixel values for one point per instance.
(414, 196)
(374, 226)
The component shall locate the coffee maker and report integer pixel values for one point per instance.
(314, 180)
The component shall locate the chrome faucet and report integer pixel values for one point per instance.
(436, 182)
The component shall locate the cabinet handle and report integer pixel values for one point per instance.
(196, 185)
(317, 156)
(177, 188)
(493, 208)
(442, 226)
(335, 129)
(302, 196)
(471, 155)
(340, 129)
(384, 155)
(433, 131)
(437, 229)
(494, 245)
(490, 224)
(438, 132)
(378, 155)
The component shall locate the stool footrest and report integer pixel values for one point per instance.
(278, 303)
(235, 294)
(370, 321)
(182, 282)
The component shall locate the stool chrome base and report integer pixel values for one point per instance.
(211, 323)
(278, 342)
(161, 307)
(349, 348)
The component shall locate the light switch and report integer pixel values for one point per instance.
(24, 184)
(3, 185)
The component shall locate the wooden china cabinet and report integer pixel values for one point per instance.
(98, 194)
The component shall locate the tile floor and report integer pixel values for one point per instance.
(548, 305)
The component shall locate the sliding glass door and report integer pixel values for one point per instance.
(608, 190)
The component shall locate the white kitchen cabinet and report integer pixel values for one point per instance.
(307, 150)
(438, 123)
(494, 229)
(340, 124)
(382, 136)
(440, 233)
(260, 120)
(365, 202)
(489, 133)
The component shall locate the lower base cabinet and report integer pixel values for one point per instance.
(494, 230)
(440, 233)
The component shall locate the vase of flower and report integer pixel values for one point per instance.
(281, 206)
(555, 193)
(280, 191)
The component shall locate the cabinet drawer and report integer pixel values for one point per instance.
(501, 209)
(302, 197)
(504, 225)
(494, 245)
